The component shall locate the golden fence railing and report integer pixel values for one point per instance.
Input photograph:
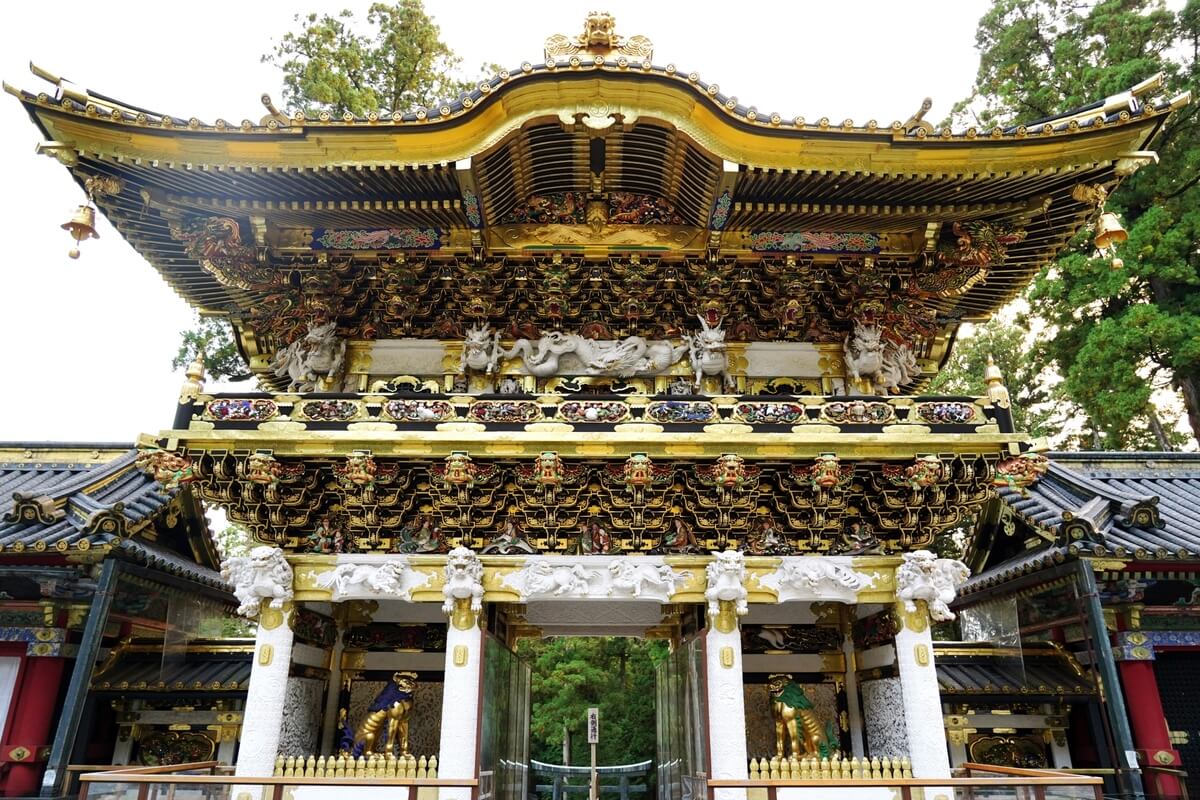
(970, 782)
(199, 781)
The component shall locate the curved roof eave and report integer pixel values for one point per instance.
(593, 97)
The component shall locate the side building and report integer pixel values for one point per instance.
(102, 566)
(1098, 563)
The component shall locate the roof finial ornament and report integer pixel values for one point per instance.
(997, 392)
(600, 38)
(194, 384)
(915, 121)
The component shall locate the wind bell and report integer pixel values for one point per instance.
(81, 226)
(1109, 231)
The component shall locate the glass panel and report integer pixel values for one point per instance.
(681, 723)
(504, 745)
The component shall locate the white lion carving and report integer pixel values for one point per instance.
(464, 580)
(633, 577)
(921, 576)
(725, 576)
(319, 355)
(264, 574)
(542, 577)
(379, 579)
(819, 576)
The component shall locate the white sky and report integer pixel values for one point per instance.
(85, 346)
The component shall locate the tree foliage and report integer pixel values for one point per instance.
(397, 63)
(571, 674)
(214, 338)
(1115, 332)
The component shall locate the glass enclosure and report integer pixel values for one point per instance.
(504, 733)
(682, 728)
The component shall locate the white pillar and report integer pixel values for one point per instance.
(726, 701)
(458, 749)
(329, 727)
(263, 715)
(922, 699)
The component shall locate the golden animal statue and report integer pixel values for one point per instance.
(795, 717)
(392, 706)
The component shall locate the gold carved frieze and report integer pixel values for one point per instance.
(369, 501)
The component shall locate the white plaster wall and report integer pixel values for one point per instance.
(391, 358)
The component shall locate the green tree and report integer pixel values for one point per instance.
(1114, 331)
(214, 338)
(571, 674)
(398, 63)
(395, 62)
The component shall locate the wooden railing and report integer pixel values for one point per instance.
(968, 783)
(197, 780)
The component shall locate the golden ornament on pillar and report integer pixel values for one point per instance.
(1109, 231)
(81, 226)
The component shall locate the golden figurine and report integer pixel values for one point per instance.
(392, 706)
(794, 715)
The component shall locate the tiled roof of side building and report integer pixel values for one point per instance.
(1135, 505)
(59, 498)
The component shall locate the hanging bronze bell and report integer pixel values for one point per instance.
(1109, 231)
(81, 226)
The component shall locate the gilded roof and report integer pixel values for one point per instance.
(595, 152)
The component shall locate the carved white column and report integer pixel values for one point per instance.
(263, 716)
(262, 583)
(726, 596)
(925, 587)
(458, 749)
(726, 706)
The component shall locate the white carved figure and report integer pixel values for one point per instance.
(633, 576)
(726, 574)
(376, 578)
(706, 351)
(542, 577)
(819, 575)
(263, 574)
(633, 355)
(884, 364)
(481, 350)
(922, 576)
(318, 356)
(464, 579)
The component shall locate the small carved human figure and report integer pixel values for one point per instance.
(418, 536)
(766, 540)
(859, 540)
(388, 713)
(797, 722)
(510, 384)
(679, 538)
(591, 539)
(510, 541)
